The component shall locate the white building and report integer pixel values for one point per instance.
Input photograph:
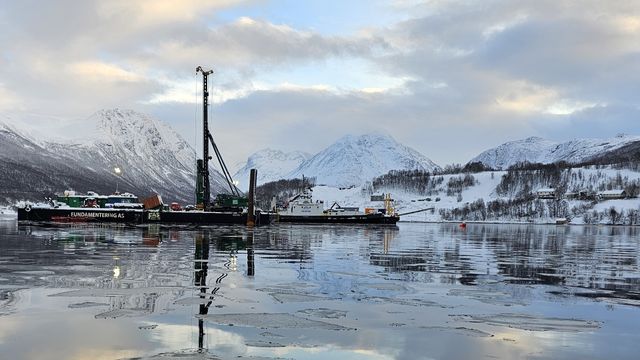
(546, 193)
(611, 194)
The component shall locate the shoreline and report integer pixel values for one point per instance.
(506, 223)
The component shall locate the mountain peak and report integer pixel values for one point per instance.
(534, 139)
(356, 159)
(271, 165)
(350, 160)
(366, 138)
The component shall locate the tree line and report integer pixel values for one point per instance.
(282, 190)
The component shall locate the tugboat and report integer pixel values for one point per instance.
(125, 208)
(90, 207)
(303, 209)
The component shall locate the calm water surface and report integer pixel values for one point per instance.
(415, 291)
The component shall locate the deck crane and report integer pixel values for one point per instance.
(203, 188)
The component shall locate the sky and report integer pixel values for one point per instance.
(448, 78)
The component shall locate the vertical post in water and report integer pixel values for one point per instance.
(252, 197)
(251, 266)
(201, 266)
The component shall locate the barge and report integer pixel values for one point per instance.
(35, 213)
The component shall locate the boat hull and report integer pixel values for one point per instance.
(338, 219)
(134, 216)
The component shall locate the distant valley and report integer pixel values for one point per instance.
(155, 159)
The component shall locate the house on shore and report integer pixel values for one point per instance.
(546, 193)
(611, 195)
(579, 195)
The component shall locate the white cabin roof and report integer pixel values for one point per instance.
(611, 192)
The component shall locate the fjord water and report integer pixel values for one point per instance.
(415, 291)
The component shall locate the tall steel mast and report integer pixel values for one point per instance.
(203, 190)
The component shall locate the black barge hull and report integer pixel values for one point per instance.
(134, 216)
(338, 219)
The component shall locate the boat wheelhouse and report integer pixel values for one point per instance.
(303, 209)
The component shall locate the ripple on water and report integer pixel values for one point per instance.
(487, 296)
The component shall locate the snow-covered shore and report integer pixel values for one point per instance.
(7, 213)
(439, 200)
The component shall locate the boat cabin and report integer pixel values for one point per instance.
(303, 204)
(93, 200)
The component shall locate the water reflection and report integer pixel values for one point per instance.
(297, 291)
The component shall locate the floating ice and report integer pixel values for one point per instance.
(264, 344)
(406, 302)
(286, 294)
(271, 321)
(532, 323)
(118, 313)
(324, 313)
(461, 330)
(86, 304)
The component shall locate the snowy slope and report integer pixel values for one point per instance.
(153, 158)
(354, 160)
(150, 154)
(535, 149)
(485, 188)
(271, 164)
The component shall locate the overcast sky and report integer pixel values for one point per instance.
(448, 78)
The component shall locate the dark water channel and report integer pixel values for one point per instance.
(415, 291)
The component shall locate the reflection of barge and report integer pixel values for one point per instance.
(302, 209)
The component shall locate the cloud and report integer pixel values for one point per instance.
(449, 78)
(248, 45)
(102, 72)
(152, 47)
(156, 13)
(7, 99)
(600, 121)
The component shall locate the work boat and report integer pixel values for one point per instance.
(233, 208)
(303, 209)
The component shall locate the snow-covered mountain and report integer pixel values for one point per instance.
(153, 159)
(271, 164)
(354, 160)
(538, 150)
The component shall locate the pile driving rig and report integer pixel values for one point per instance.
(232, 201)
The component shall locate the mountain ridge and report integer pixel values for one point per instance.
(152, 156)
(352, 160)
(539, 150)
